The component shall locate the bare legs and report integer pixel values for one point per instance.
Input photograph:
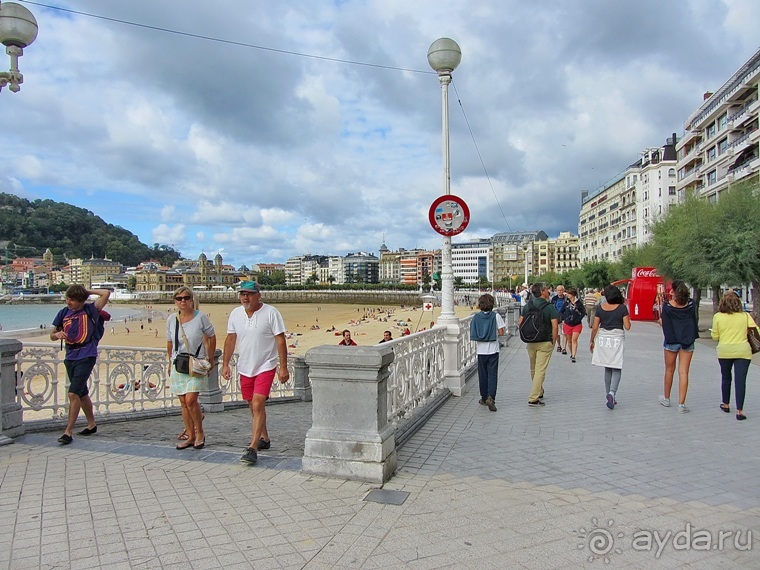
(192, 417)
(77, 403)
(683, 359)
(574, 344)
(258, 419)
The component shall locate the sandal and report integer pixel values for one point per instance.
(564, 351)
(183, 436)
(726, 408)
(185, 445)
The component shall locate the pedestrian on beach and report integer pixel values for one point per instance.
(189, 332)
(258, 332)
(485, 328)
(607, 343)
(346, 341)
(540, 347)
(572, 315)
(678, 317)
(79, 326)
(729, 328)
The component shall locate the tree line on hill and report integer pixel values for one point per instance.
(70, 232)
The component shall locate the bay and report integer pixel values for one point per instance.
(25, 317)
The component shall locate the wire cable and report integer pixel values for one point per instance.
(225, 41)
(475, 144)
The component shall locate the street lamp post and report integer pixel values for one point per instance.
(444, 56)
(18, 29)
(526, 249)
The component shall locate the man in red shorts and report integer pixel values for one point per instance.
(258, 331)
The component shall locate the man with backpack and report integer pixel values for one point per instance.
(79, 325)
(538, 326)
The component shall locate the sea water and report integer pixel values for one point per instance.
(21, 317)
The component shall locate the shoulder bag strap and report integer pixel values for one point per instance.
(184, 337)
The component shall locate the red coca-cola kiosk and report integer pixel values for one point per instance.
(641, 293)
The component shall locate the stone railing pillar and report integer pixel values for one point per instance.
(350, 437)
(211, 397)
(301, 386)
(455, 377)
(12, 414)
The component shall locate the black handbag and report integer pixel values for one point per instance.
(182, 361)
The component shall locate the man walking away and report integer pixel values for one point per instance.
(538, 326)
(590, 300)
(484, 328)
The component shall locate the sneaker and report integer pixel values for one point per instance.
(682, 409)
(535, 403)
(610, 401)
(664, 401)
(249, 456)
(490, 403)
(263, 444)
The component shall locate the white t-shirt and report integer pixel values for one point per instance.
(492, 347)
(256, 344)
(523, 297)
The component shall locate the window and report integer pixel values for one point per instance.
(671, 190)
(672, 172)
(710, 131)
(722, 121)
(722, 146)
(711, 153)
(712, 177)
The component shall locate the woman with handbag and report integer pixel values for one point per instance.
(190, 343)
(730, 328)
(678, 317)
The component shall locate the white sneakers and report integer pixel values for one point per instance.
(664, 401)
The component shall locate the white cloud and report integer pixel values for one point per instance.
(267, 154)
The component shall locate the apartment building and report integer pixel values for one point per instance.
(619, 215)
(472, 260)
(720, 143)
(512, 251)
(565, 253)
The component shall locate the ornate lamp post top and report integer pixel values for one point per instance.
(18, 29)
(444, 55)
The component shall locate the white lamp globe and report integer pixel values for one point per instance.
(17, 25)
(444, 55)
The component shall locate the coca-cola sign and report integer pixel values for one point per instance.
(644, 272)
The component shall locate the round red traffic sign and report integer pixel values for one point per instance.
(449, 215)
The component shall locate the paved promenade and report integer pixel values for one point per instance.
(569, 485)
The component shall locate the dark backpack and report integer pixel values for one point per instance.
(534, 326)
(99, 325)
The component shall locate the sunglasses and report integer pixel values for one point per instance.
(185, 298)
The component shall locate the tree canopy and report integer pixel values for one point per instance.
(71, 232)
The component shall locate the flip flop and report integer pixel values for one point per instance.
(185, 445)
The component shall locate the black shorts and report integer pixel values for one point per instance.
(79, 372)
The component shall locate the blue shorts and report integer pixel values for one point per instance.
(676, 347)
(78, 372)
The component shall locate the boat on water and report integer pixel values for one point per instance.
(119, 291)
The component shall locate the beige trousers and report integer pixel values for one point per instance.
(539, 353)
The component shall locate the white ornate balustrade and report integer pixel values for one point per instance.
(124, 379)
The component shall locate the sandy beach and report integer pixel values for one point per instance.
(308, 325)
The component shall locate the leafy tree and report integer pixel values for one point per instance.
(597, 274)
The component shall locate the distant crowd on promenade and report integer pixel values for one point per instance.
(551, 322)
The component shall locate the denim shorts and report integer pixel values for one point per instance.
(676, 347)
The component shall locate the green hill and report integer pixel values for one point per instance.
(70, 232)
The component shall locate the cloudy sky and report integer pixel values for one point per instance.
(310, 126)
